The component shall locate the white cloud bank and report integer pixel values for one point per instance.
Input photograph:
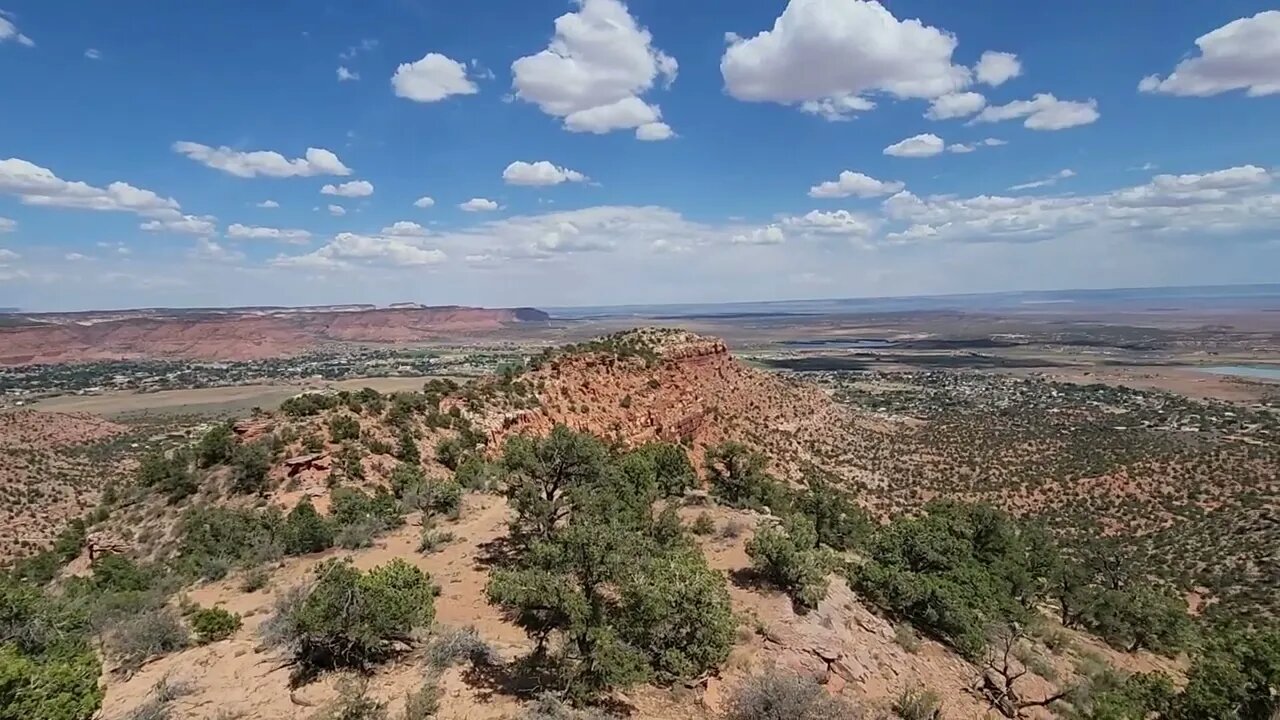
(265, 163)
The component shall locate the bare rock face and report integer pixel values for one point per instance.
(250, 429)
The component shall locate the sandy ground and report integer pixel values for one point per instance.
(228, 400)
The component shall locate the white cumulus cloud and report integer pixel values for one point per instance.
(1043, 112)
(269, 204)
(997, 68)
(186, 224)
(954, 105)
(346, 74)
(540, 173)
(855, 184)
(336, 210)
(405, 228)
(594, 71)
(35, 185)
(1244, 55)
(837, 222)
(424, 202)
(352, 189)
(917, 146)
(827, 55)
(249, 232)
(431, 79)
(7, 225)
(267, 163)
(654, 131)
(479, 205)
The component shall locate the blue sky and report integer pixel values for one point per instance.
(627, 153)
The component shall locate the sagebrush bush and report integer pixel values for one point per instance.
(779, 695)
(424, 702)
(703, 525)
(146, 635)
(353, 703)
(453, 645)
(916, 703)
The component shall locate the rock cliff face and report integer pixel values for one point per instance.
(236, 333)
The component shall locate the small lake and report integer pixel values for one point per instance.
(1257, 372)
(840, 343)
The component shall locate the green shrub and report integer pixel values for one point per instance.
(788, 557)
(118, 573)
(213, 624)
(906, 638)
(838, 521)
(308, 404)
(380, 510)
(167, 474)
(250, 465)
(215, 446)
(475, 473)
(738, 477)
(305, 531)
(312, 443)
(343, 428)
(407, 478)
(1139, 616)
(407, 447)
(350, 463)
(451, 451)
(953, 571)
(216, 537)
(59, 686)
(666, 466)
(351, 619)
(676, 611)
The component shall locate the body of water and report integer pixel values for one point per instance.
(1256, 372)
(840, 343)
